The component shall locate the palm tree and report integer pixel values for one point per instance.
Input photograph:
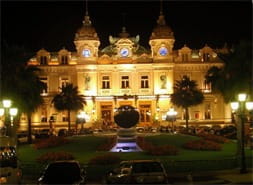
(20, 82)
(186, 95)
(69, 99)
(236, 74)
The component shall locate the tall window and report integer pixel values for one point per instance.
(105, 82)
(44, 80)
(43, 60)
(64, 59)
(64, 81)
(124, 82)
(44, 113)
(144, 82)
(206, 57)
(185, 57)
(206, 86)
(64, 116)
(208, 111)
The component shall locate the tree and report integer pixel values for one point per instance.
(236, 74)
(69, 99)
(20, 83)
(186, 95)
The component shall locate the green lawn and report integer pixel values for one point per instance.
(84, 147)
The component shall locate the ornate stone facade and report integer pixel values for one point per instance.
(126, 73)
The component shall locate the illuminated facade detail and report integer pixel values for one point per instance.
(126, 73)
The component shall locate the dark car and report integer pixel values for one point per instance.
(63, 172)
(138, 172)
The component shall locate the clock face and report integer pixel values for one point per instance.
(124, 52)
(86, 53)
(163, 51)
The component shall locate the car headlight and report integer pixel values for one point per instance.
(3, 180)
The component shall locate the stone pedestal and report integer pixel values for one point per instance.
(126, 141)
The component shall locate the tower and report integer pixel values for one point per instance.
(162, 39)
(87, 40)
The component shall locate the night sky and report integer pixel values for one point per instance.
(52, 24)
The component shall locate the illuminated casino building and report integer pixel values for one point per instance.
(126, 73)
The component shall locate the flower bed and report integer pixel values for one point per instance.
(202, 145)
(111, 141)
(215, 138)
(50, 142)
(156, 150)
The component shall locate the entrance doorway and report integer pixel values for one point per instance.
(145, 114)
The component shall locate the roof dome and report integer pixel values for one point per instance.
(162, 31)
(87, 31)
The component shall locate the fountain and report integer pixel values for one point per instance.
(126, 117)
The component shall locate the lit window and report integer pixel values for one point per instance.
(206, 57)
(208, 111)
(64, 81)
(206, 87)
(44, 113)
(144, 82)
(44, 80)
(105, 82)
(124, 82)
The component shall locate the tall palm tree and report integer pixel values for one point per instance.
(236, 74)
(20, 83)
(69, 99)
(186, 94)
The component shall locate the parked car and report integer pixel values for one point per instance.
(85, 131)
(44, 133)
(139, 172)
(63, 172)
(22, 137)
(63, 132)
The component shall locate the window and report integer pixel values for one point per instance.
(43, 60)
(44, 80)
(105, 82)
(185, 57)
(64, 81)
(64, 117)
(206, 57)
(124, 82)
(44, 113)
(144, 82)
(208, 111)
(206, 86)
(64, 59)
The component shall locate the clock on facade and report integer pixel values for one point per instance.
(124, 52)
(163, 51)
(86, 53)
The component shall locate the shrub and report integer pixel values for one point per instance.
(105, 159)
(202, 145)
(110, 142)
(215, 138)
(156, 150)
(54, 156)
(50, 142)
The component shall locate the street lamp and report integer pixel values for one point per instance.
(239, 107)
(9, 113)
(171, 116)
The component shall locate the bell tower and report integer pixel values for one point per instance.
(162, 39)
(87, 40)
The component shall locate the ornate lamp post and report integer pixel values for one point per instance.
(171, 116)
(9, 113)
(240, 107)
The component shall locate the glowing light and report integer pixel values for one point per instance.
(234, 105)
(1, 111)
(6, 103)
(13, 111)
(242, 97)
(249, 105)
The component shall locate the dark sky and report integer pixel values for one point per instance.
(53, 24)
